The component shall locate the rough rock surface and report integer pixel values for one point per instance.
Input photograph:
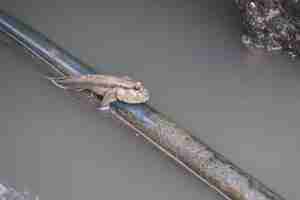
(271, 24)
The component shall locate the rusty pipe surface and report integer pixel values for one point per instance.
(211, 167)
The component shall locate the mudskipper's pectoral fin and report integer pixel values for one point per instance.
(108, 97)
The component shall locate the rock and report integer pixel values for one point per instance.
(271, 24)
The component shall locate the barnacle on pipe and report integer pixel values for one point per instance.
(271, 24)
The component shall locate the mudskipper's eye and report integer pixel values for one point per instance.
(138, 85)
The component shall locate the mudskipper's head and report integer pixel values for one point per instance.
(137, 94)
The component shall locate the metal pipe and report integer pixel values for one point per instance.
(193, 154)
